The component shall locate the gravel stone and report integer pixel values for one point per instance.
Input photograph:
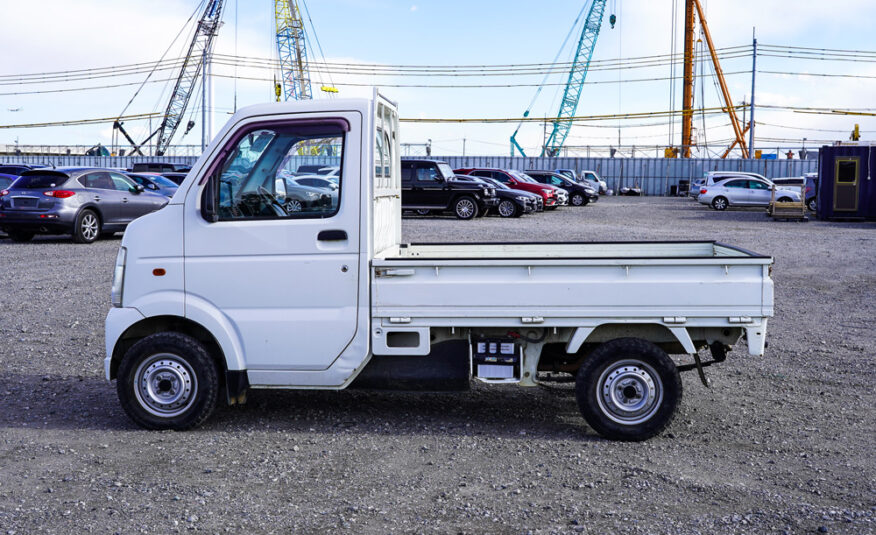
(778, 444)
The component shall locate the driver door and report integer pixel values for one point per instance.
(286, 280)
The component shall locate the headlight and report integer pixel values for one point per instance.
(521, 197)
(119, 278)
(311, 194)
(547, 191)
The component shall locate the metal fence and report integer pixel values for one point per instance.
(656, 176)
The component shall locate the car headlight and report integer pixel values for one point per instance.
(311, 194)
(521, 197)
(546, 191)
(119, 278)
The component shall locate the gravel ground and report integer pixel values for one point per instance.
(779, 444)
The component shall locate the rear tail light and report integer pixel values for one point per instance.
(59, 193)
(808, 189)
(703, 191)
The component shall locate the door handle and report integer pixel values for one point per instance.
(332, 235)
(124, 199)
(97, 198)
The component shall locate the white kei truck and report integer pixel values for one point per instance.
(252, 279)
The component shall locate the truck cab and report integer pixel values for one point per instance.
(227, 289)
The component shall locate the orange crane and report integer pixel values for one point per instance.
(694, 8)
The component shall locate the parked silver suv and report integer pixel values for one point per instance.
(84, 202)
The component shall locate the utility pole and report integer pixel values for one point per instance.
(204, 103)
(753, 72)
(463, 147)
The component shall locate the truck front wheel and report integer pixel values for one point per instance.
(628, 389)
(168, 381)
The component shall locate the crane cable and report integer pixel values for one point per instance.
(547, 74)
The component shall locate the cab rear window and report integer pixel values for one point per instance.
(40, 181)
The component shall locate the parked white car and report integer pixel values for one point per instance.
(713, 177)
(743, 191)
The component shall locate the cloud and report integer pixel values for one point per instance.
(414, 7)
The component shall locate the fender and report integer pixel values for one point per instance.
(211, 318)
(582, 333)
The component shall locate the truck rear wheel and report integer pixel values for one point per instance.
(628, 389)
(168, 381)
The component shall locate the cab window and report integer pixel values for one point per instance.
(257, 180)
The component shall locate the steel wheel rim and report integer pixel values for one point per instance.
(165, 385)
(629, 392)
(89, 227)
(465, 208)
(506, 208)
(577, 200)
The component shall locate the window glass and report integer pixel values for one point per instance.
(846, 171)
(757, 184)
(97, 180)
(407, 172)
(378, 154)
(121, 183)
(557, 182)
(501, 177)
(427, 174)
(737, 184)
(258, 179)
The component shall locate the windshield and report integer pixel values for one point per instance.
(40, 181)
(523, 177)
(4, 182)
(166, 182)
(446, 170)
(494, 183)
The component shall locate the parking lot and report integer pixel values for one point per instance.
(779, 444)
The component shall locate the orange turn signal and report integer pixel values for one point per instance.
(158, 272)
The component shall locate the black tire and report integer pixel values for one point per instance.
(720, 203)
(465, 207)
(87, 227)
(628, 389)
(423, 212)
(168, 381)
(508, 208)
(20, 236)
(578, 199)
(784, 199)
(812, 204)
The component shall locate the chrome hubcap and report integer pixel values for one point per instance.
(165, 385)
(89, 227)
(630, 392)
(465, 208)
(506, 208)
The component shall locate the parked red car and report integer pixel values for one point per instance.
(517, 180)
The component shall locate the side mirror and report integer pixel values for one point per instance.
(138, 189)
(153, 187)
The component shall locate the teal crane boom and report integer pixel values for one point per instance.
(572, 92)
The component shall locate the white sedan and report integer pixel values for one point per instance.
(743, 191)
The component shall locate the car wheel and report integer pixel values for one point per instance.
(719, 203)
(423, 212)
(508, 208)
(168, 381)
(87, 227)
(812, 204)
(578, 200)
(784, 199)
(628, 389)
(20, 236)
(465, 208)
(292, 205)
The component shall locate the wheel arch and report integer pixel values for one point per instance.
(155, 324)
(670, 337)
